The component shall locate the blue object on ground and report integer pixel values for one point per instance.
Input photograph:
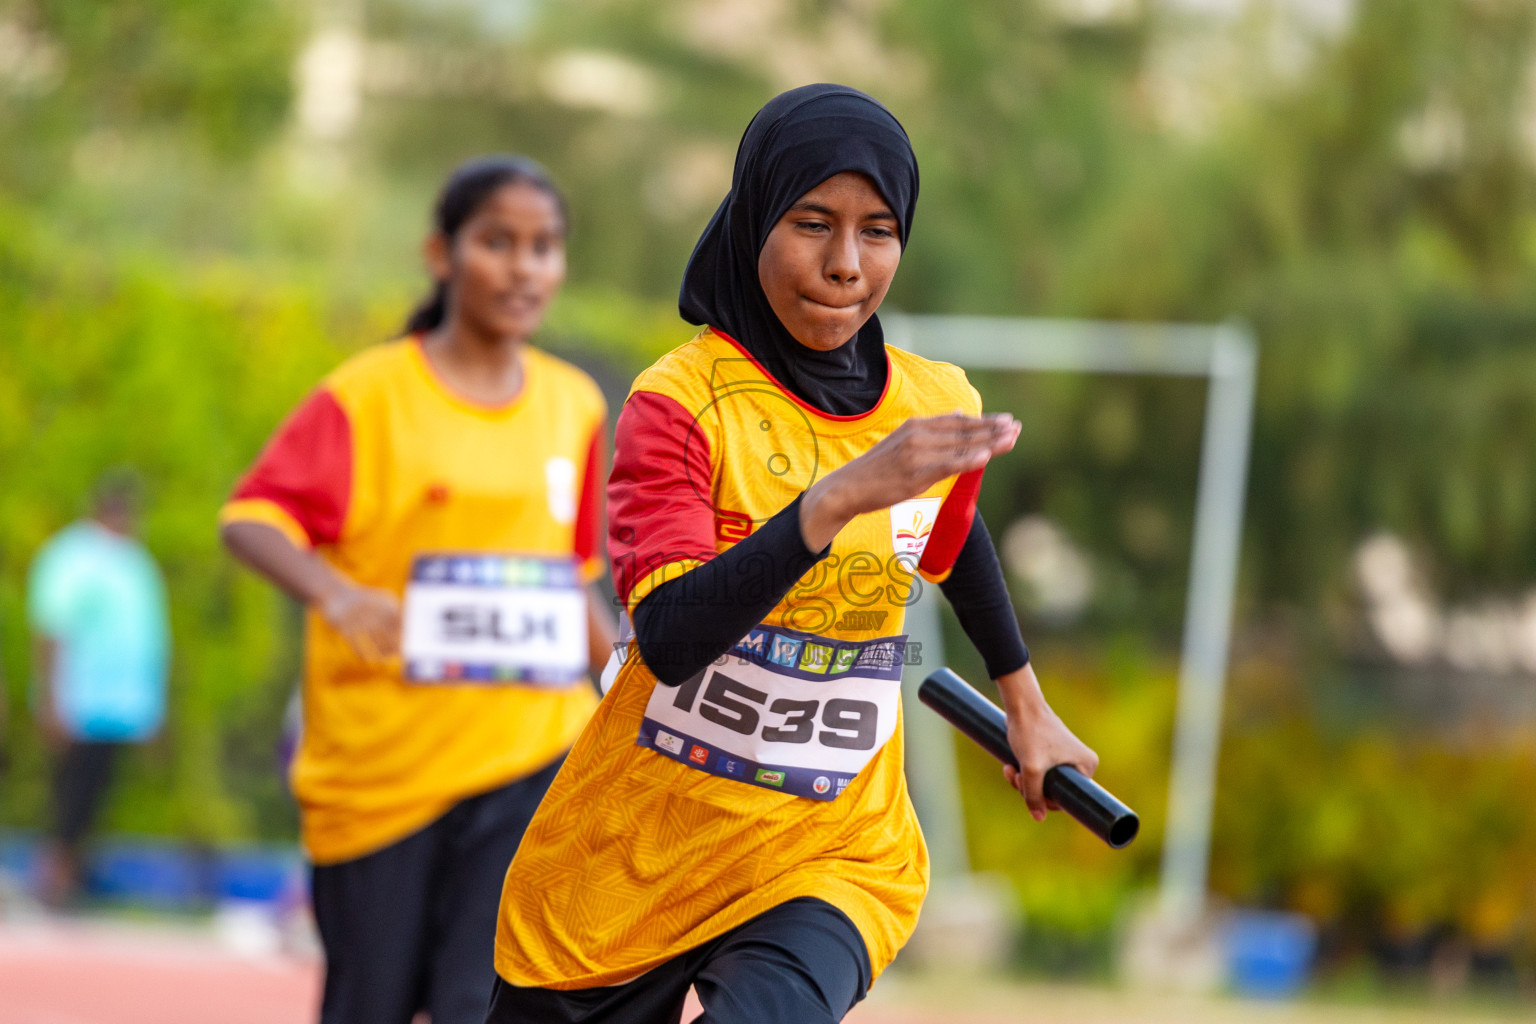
(1269, 954)
(168, 875)
(18, 857)
(256, 874)
(165, 877)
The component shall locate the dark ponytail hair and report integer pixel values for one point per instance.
(466, 189)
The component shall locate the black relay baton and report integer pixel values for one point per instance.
(984, 722)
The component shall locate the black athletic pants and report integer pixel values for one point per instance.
(803, 962)
(413, 926)
(80, 781)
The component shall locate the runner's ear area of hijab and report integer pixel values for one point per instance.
(797, 141)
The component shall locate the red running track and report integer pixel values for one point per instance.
(69, 972)
(96, 972)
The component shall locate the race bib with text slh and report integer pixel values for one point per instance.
(488, 618)
(784, 710)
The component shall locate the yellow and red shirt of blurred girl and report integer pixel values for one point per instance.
(384, 463)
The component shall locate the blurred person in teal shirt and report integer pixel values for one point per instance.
(97, 607)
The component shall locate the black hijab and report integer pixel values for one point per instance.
(797, 141)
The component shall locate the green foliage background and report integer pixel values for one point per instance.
(174, 276)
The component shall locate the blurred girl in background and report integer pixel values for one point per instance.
(435, 506)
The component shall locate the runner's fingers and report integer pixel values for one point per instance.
(960, 459)
(391, 640)
(947, 464)
(1031, 787)
(362, 645)
(1008, 437)
(385, 631)
(969, 431)
(994, 434)
(928, 450)
(384, 643)
(378, 633)
(1034, 793)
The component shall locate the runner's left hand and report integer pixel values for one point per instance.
(1040, 741)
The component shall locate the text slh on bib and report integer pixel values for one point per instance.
(495, 618)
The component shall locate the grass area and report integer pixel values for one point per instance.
(906, 998)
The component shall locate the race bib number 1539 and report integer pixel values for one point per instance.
(784, 710)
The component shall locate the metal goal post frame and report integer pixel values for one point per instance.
(1227, 356)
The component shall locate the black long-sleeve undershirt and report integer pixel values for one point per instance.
(686, 623)
(978, 593)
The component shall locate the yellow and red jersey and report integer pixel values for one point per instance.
(651, 840)
(383, 468)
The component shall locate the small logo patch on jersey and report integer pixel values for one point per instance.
(732, 526)
(560, 486)
(822, 784)
(666, 741)
(770, 778)
(698, 755)
(911, 523)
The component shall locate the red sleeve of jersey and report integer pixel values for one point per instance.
(952, 527)
(306, 468)
(589, 514)
(659, 508)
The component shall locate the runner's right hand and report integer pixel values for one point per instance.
(368, 619)
(905, 463)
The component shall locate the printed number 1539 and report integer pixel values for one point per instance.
(731, 704)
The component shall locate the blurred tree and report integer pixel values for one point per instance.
(1360, 203)
(217, 70)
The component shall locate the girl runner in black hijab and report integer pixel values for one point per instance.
(735, 816)
(800, 139)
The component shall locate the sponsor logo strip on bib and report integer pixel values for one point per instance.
(784, 710)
